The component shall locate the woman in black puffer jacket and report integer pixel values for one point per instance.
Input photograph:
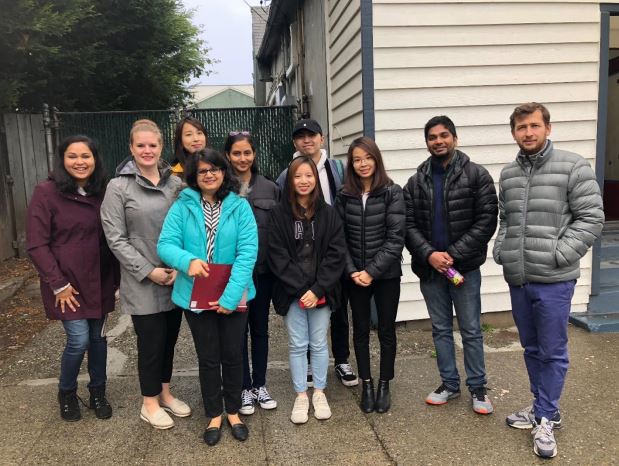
(373, 211)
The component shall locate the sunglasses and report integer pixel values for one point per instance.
(236, 133)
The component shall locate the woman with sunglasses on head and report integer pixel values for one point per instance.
(373, 211)
(306, 255)
(211, 223)
(190, 137)
(77, 270)
(132, 214)
(263, 195)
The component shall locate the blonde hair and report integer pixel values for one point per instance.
(147, 126)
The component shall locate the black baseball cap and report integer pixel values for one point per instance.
(307, 125)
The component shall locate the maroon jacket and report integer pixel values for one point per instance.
(66, 244)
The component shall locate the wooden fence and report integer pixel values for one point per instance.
(23, 163)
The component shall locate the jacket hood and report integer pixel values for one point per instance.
(128, 168)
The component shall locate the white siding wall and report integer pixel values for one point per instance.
(344, 70)
(475, 61)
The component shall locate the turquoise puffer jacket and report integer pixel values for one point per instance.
(183, 239)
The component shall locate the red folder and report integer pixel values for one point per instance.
(209, 289)
(321, 302)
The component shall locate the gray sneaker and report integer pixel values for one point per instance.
(442, 395)
(525, 419)
(544, 444)
(481, 401)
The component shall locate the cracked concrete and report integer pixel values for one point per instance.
(411, 433)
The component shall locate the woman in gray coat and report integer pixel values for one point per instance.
(135, 205)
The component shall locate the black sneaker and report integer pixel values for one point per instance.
(346, 375)
(310, 377)
(69, 408)
(99, 403)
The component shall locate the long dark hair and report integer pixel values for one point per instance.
(315, 195)
(180, 154)
(353, 184)
(237, 136)
(65, 183)
(214, 158)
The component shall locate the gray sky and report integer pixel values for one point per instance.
(226, 26)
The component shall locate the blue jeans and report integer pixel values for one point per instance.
(83, 335)
(308, 328)
(541, 312)
(441, 298)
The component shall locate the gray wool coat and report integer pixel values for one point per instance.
(132, 215)
(550, 213)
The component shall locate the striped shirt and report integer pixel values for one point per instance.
(211, 222)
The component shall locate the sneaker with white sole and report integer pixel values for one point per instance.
(346, 375)
(263, 398)
(442, 395)
(481, 401)
(322, 410)
(300, 410)
(544, 444)
(310, 377)
(247, 403)
(525, 419)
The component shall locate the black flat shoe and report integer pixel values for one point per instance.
(239, 431)
(212, 435)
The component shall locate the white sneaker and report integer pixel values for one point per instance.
(321, 406)
(247, 403)
(262, 397)
(300, 410)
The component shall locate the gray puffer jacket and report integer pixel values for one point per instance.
(550, 213)
(132, 215)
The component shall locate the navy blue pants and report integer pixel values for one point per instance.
(541, 312)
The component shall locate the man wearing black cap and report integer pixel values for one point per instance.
(308, 141)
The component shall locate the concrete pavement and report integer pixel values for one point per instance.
(411, 433)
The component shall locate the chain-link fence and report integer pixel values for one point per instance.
(271, 128)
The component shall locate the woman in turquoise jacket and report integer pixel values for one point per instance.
(210, 223)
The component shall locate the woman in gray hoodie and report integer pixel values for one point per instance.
(132, 214)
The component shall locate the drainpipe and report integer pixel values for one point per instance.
(304, 101)
(49, 143)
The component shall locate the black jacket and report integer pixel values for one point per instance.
(263, 196)
(470, 203)
(329, 250)
(374, 235)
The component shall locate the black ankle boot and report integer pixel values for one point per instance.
(367, 396)
(69, 408)
(383, 398)
(99, 403)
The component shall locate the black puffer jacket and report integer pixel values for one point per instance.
(263, 196)
(470, 203)
(329, 252)
(374, 235)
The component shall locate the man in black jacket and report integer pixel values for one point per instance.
(451, 214)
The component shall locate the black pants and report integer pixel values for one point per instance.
(218, 339)
(386, 296)
(157, 335)
(258, 327)
(340, 332)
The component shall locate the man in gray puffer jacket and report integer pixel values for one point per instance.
(550, 213)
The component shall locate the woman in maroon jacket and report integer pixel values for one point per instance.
(78, 272)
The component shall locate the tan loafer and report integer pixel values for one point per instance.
(177, 407)
(159, 419)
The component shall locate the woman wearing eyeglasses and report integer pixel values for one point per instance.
(132, 214)
(190, 137)
(263, 195)
(211, 223)
(372, 209)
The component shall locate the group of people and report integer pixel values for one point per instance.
(323, 236)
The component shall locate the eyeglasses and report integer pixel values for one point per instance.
(212, 171)
(236, 133)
